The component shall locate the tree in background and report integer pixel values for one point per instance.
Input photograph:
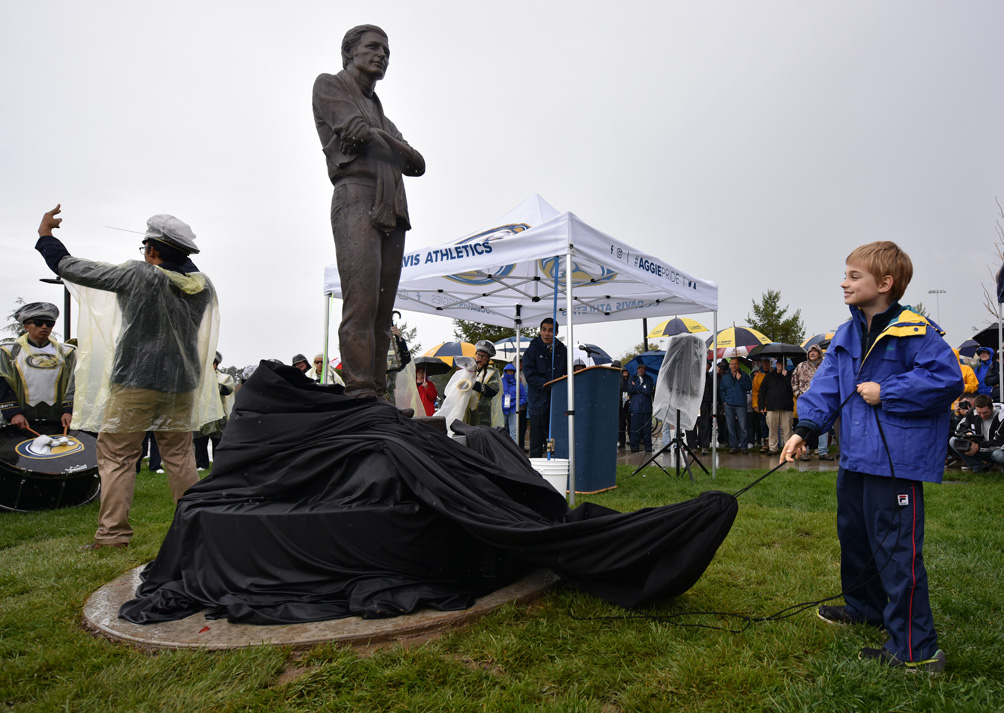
(474, 332)
(990, 294)
(920, 309)
(12, 330)
(768, 319)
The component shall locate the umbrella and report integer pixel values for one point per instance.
(778, 350)
(447, 350)
(729, 352)
(596, 354)
(738, 337)
(506, 348)
(433, 365)
(677, 325)
(821, 340)
(651, 360)
(988, 337)
(335, 362)
(968, 348)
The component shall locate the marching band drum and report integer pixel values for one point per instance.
(47, 471)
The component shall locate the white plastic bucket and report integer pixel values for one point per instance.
(555, 472)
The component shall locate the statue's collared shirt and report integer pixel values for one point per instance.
(341, 104)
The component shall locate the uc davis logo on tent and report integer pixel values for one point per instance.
(583, 273)
(479, 277)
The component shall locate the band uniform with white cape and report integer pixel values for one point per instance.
(40, 380)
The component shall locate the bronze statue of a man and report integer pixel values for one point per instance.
(367, 157)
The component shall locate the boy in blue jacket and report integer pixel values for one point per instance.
(891, 378)
(510, 406)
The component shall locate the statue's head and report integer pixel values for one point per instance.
(352, 38)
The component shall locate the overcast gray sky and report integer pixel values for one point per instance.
(750, 143)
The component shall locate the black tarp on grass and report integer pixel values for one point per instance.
(321, 507)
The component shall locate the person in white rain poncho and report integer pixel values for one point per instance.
(147, 337)
(485, 405)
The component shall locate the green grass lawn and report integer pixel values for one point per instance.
(568, 652)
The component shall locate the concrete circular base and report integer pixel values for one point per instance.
(196, 632)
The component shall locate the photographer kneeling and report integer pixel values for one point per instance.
(979, 438)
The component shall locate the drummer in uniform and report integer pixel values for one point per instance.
(485, 406)
(36, 371)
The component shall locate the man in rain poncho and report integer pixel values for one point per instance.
(36, 371)
(147, 338)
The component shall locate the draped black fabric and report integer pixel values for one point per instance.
(320, 507)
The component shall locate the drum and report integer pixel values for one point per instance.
(47, 473)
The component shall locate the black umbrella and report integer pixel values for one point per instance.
(968, 348)
(433, 365)
(778, 350)
(598, 355)
(988, 337)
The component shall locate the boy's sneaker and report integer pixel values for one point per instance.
(936, 664)
(840, 615)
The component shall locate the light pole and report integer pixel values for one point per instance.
(66, 304)
(937, 301)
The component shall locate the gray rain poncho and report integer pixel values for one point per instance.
(681, 380)
(147, 336)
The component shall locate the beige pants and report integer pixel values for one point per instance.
(117, 456)
(779, 425)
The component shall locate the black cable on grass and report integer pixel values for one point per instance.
(785, 613)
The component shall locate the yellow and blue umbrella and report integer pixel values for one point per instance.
(737, 337)
(821, 340)
(677, 325)
(447, 350)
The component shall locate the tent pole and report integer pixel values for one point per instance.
(571, 378)
(714, 401)
(644, 334)
(327, 329)
(518, 323)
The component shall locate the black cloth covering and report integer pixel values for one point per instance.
(321, 506)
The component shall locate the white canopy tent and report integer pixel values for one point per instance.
(514, 271)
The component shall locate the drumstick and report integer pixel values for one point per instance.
(66, 428)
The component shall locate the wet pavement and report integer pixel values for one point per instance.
(753, 461)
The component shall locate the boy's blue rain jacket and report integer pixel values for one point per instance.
(509, 387)
(919, 378)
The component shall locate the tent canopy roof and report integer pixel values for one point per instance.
(514, 262)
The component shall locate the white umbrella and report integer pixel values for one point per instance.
(506, 348)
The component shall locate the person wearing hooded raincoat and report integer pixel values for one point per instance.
(36, 370)
(147, 338)
(984, 368)
(510, 405)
